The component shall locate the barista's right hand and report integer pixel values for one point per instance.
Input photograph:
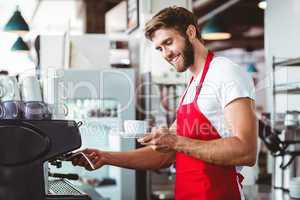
(96, 157)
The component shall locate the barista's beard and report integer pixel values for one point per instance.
(188, 55)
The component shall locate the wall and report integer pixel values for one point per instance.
(115, 18)
(89, 51)
(282, 30)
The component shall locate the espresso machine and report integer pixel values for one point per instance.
(25, 147)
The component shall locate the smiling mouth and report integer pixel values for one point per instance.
(174, 60)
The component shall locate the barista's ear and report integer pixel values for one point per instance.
(191, 32)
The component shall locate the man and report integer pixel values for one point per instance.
(215, 129)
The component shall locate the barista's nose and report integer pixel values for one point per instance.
(167, 54)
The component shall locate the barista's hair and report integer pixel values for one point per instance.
(174, 17)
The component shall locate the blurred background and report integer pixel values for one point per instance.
(91, 56)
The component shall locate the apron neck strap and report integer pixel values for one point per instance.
(186, 90)
(209, 58)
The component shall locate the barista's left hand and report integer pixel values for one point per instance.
(160, 139)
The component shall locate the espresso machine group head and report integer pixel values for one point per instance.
(24, 148)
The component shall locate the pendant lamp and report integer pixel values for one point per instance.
(19, 46)
(17, 23)
(213, 29)
(251, 68)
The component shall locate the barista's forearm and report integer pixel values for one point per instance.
(225, 151)
(142, 159)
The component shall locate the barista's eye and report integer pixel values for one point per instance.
(169, 42)
(158, 48)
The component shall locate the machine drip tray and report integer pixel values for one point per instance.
(62, 189)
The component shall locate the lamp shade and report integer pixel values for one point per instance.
(251, 68)
(19, 45)
(17, 23)
(214, 30)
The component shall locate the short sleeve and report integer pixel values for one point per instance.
(235, 82)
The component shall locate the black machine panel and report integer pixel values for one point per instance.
(24, 147)
(21, 145)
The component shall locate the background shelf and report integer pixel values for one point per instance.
(288, 88)
(288, 91)
(289, 62)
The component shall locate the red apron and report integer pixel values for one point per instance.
(196, 179)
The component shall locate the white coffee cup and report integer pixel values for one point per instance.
(135, 127)
(9, 89)
(31, 89)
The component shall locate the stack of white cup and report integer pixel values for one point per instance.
(11, 105)
(34, 107)
(31, 89)
(9, 89)
(22, 101)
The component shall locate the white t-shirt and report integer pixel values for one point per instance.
(225, 81)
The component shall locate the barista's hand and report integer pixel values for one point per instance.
(95, 156)
(160, 139)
